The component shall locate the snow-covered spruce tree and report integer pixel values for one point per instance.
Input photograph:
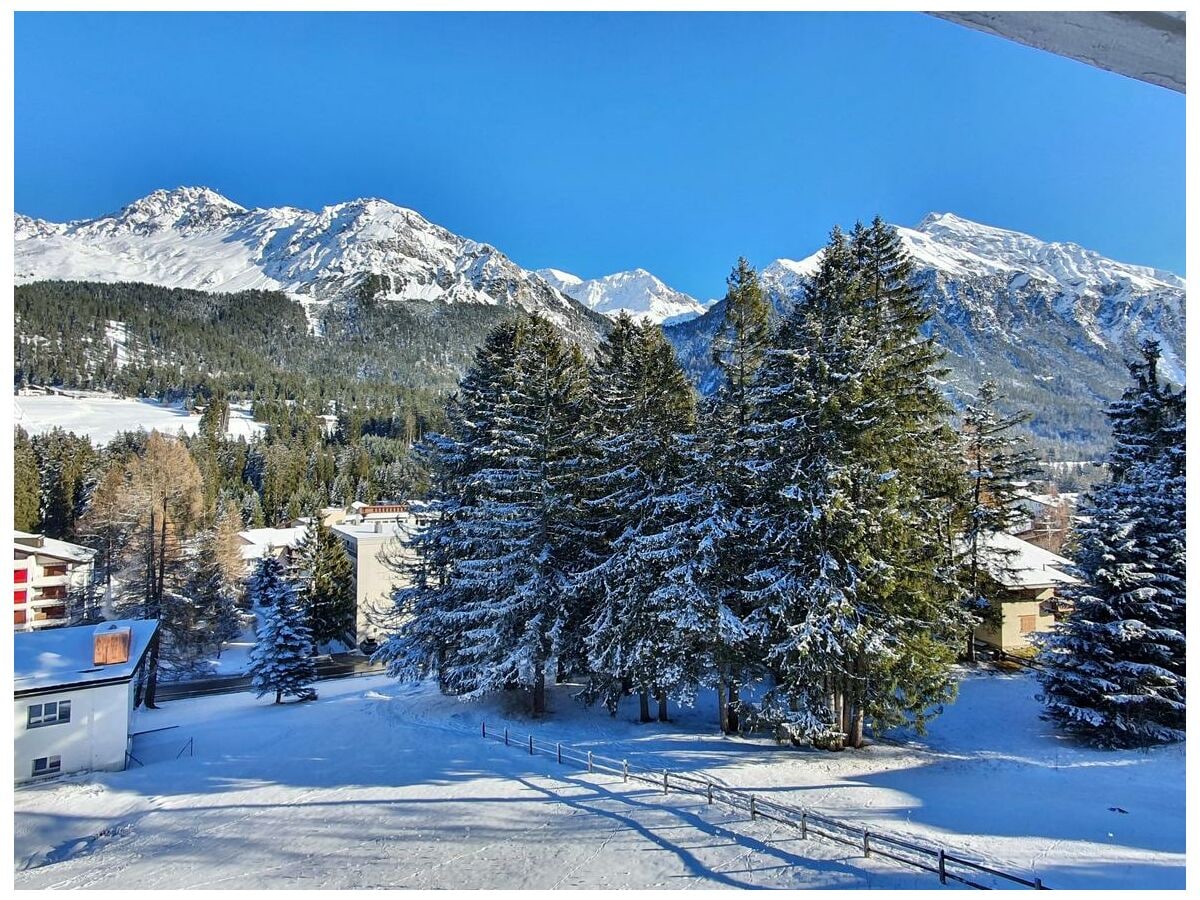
(281, 660)
(326, 585)
(718, 489)
(637, 635)
(851, 593)
(1115, 671)
(506, 543)
(999, 462)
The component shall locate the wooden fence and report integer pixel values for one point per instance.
(946, 865)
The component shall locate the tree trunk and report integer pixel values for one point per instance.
(626, 686)
(723, 704)
(662, 708)
(152, 673)
(278, 695)
(539, 694)
(732, 712)
(644, 706)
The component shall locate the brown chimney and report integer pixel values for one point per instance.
(111, 646)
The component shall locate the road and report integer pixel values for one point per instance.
(338, 665)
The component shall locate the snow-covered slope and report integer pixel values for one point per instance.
(1053, 322)
(638, 293)
(192, 237)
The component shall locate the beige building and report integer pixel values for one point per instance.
(374, 536)
(45, 571)
(1030, 579)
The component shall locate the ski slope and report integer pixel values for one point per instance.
(386, 785)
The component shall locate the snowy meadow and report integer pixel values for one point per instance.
(385, 785)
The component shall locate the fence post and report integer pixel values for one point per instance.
(624, 770)
(483, 729)
(664, 781)
(589, 760)
(710, 793)
(558, 748)
(531, 745)
(753, 811)
(942, 866)
(866, 843)
(804, 826)
(1037, 884)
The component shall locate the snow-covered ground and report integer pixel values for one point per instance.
(380, 784)
(102, 417)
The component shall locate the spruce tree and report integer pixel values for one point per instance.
(999, 463)
(26, 486)
(281, 660)
(644, 408)
(719, 492)
(850, 592)
(1115, 671)
(493, 609)
(326, 585)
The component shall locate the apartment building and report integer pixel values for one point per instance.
(45, 571)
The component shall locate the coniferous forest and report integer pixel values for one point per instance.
(806, 539)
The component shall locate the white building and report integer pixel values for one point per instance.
(277, 542)
(373, 536)
(45, 571)
(75, 690)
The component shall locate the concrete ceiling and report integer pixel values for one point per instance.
(1148, 46)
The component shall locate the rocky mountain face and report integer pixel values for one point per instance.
(637, 292)
(364, 249)
(1054, 323)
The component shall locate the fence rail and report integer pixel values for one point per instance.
(935, 860)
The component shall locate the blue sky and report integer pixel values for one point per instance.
(601, 142)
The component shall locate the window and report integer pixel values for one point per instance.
(19, 617)
(47, 765)
(1028, 624)
(19, 596)
(54, 592)
(54, 712)
(21, 576)
(55, 570)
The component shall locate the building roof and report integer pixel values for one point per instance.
(259, 541)
(1018, 564)
(57, 658)
(46, 546)
(372, 529)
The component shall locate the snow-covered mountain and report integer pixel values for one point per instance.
(1053, 322)
(192, 237)
(637, 292)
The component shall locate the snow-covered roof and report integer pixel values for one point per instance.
(63, 657)
(260, 541)
(1019, 564)
(52, 547)
(374, 528)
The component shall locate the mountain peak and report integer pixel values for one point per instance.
(181, 207)
(638, 292)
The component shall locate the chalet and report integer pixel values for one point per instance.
(1028, 580)
(75, 690)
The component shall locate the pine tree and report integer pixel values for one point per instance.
(281, 660)
(999, 463)
(644, 408)
(1115, 671)
(327, 585)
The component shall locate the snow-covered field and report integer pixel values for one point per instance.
(386, 785)
(102, 417)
